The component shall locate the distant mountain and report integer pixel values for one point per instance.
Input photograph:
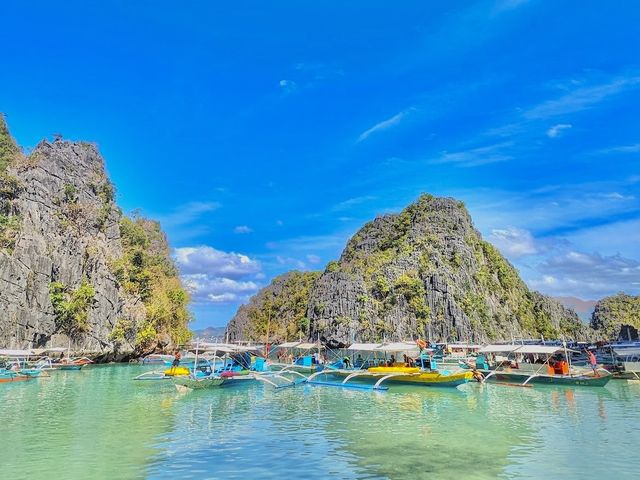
(210, 333)
(584, 308)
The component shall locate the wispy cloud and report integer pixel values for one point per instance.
(385, 124)
(242, 229)
(478, 156)
(514, 242)
(352, 202)
(557, 130)
(634, 148)
(287, 86)
(582, 98)
(187, 213)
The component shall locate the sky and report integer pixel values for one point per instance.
(264, 134)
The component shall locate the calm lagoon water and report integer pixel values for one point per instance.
(98, 423)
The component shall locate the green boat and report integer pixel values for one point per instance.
(526, 365)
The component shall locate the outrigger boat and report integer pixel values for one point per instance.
(524, 365)
(423, 372)
(18, 362)
(299, 355)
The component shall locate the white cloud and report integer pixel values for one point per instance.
(582, 98)
(187, 213)
(556, 130)
(296, 263)
(288, 86)
(351, 202)
(514, 242)
(242, 229)
(205, 259)
(385, 124)
(205, 288)
(313, 259)
(585, 275)
(635, 148)
(475, 157)
(215, 276)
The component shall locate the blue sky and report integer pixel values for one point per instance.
(264, 134)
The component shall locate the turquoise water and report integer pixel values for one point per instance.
(98, 423)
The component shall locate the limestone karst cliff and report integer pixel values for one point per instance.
(73, 269)
(425, 272)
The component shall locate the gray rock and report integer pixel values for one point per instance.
(69, 232)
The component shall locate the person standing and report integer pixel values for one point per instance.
(593, 362)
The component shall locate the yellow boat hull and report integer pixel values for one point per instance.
(177, 371)
(414, 376)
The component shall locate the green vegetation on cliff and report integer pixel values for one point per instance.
(612, 315)
(71, 307)
(279, 312)
(147, 271)
(8, 147)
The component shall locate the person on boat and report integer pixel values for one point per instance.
(359, 361)
(593, 362)
(176, 360)
(346, 362)
(392, 361)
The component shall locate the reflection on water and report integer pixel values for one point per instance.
(98, 423)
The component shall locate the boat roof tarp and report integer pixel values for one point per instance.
(464, 345)
(544, 349)
(308, 346)
(287, 345)
(364, 347)
(499, 348)
(15, 353)
(398, 347)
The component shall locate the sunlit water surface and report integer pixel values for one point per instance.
(99, 423)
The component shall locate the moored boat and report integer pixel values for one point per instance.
(526, 365)
(376, 370)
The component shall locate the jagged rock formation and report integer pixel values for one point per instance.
(276, 313)
(426, 272)
(60, 233)
(616, 317)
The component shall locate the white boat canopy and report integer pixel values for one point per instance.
(309, 346)
(499, 348)
(287, 345)
(398, 347)
(15, 353)
(460, 346)
(543, 349)
(364, 347)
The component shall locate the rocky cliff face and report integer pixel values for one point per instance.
(59, 235)
(616, 317)
(427, 273)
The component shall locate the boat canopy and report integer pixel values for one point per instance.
(499, 348)
(398, 347)
(15, 353)
(40, 351)
(460, 346)
(364, 347)
(384, 347)
(543, 349)
(308, 346)
(287, 345)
